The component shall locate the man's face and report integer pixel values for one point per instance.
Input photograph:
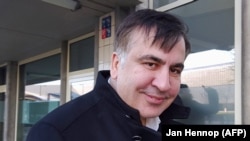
(149, 78)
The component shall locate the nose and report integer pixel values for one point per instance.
(162, 80)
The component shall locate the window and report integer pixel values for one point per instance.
(39, 92)
(208, 78)
(82, 54)
(81, 65)
(2, 75)
(2, 98)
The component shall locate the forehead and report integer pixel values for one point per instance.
(141, 43)
(148, 38)
(140, 35)
(141, 38)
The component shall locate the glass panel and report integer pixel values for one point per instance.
(209, 104)
(168, 4)
(81, 87)
(2, 75)
(209, 69)
(160, 3)
(2, 100)
(39, 92)
(82, 54)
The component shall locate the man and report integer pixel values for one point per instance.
(138, 94)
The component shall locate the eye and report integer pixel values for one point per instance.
(150, 65)
(175, 71)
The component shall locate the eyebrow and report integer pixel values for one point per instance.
(159, 60)
(153, 58)
(179, 65)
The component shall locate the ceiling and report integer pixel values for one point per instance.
(32, 27)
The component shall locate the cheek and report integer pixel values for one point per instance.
(175, 88)
(133, 77)
(142, 78)
(176, 92)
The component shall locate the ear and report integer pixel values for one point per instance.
(114, 65)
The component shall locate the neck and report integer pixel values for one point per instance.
(143, 121)
(110, 81)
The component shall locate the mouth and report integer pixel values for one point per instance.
(156, 100)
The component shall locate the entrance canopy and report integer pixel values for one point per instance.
(32, 27)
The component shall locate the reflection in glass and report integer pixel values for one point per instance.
(209, 69)
(39, 92)
(81, 87)
(82, 54)
(81, 65)
(159, 3)
(209, 105)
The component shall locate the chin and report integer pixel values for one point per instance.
(153, 111)
(151, 115)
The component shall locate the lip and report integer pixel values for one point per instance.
(154, 99)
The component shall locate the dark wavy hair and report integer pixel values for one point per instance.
(168, 30)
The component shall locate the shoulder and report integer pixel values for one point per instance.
(66, 114)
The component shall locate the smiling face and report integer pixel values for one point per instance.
(149, 77)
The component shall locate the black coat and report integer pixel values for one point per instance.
(99, 116)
